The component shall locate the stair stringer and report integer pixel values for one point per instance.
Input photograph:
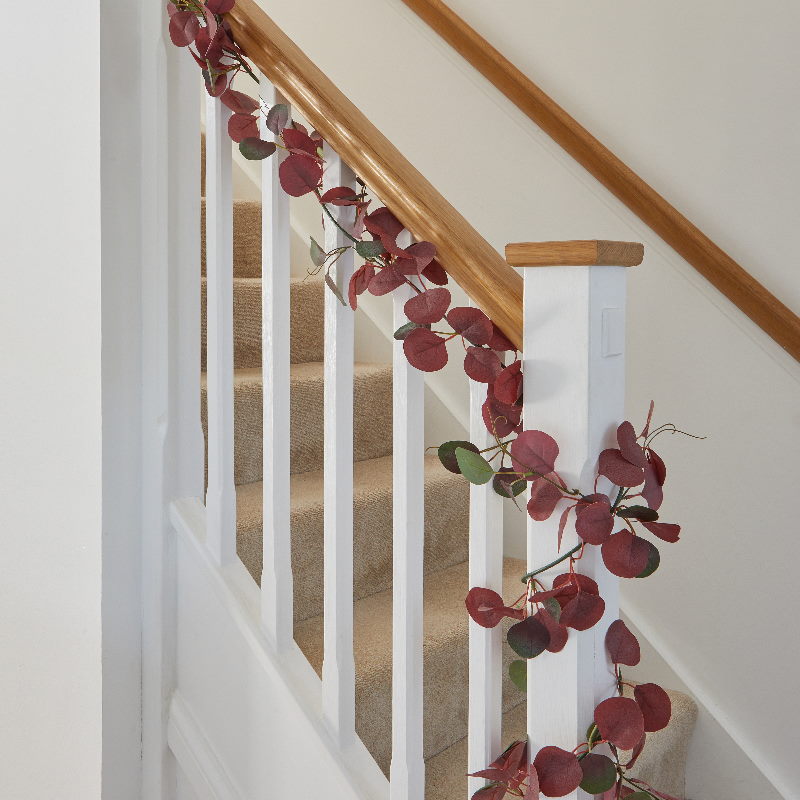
(245, 721)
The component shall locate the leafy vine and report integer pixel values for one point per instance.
(523, 459)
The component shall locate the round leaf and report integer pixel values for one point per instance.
(238, 102)
(183, 28)
(584, 611)
(471, 323)
(447, 454)
(534, 451)
(626, 555)
(619, 471)
(655, 705)
(299, 175)
(242, 126)
(370, 248)
(473, 466)
(508, 484)
(428, 307)
(543, 500)
(631, 449)
(558, 770)
(593, 521)
(518, 672)
(277, 118)
(485, 606)
(667, 531)
(528, 638)
(480, 363)
(508, 384)
(622, 645)
(620, 721)
(599, 773)
(255, 149)
(424, 349)
(653, 561)
(220, 6)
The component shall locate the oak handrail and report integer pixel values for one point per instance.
(581, 253)
(741, 288)
(474, 264)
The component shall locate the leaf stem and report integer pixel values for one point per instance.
(566, 555)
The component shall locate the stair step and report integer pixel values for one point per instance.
(306, 332)
(246, 238)
(372, 392)
(662, 764)
(446, 528)
(445, 653)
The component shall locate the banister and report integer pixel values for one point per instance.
(589, 253)
(474, 264)
(741, 288)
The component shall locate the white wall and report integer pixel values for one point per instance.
(709, 369)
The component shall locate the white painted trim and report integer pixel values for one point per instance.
(196, 755)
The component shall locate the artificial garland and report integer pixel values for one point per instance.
(523, 458)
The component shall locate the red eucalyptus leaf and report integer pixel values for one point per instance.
(558, 770)
(480, 363)
(220, 6)
(668, 531)
(298, 140)
(172, 9)
(594, 522)
(508, 384)
(359, 283)
(340, 196)
(532, 790)
(658, 465)
(631, 449)
(619, 470)
(584, 611)
(574, 582)
(435, 273)
(655, 705)
(528, 638)
(299, 175)
(471, 323)
(626, 555)
(500, 418)
(620, 722)
(487, 608)
(277, 118)
(242, 126)
(423, 254)
(543, 500)
(381, 222)
(637, 751)
(183, 28)
(424, 349)
(558, 632)
(219, 84)
(427, 307)
(386, 280)
(238, 102)
(256, 149)
(499, 342)
(562, 523)
(622, 645)
(534, 451)
(652, 491)
(496, 791)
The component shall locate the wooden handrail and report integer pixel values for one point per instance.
(751, 297)
(474, 264)
(587, 253)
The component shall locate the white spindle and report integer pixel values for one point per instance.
(338, 666)
(569, 313)
(407, 775)
(221, 493)
(277, 602)
(485, 645)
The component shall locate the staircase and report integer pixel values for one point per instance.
(446, 539)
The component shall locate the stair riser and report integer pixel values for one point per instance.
(306, 335)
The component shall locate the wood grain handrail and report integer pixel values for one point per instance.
(586, 253)
(474, 264)
(750, 296)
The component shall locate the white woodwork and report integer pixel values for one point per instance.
(485, 644)
(576, 394)
(407, 773)
(276, 577)
(221, 493)
(338, 666)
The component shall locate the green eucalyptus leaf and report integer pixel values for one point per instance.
(474, 467)
(518, 672)
(599, 773)
(318, 255)
(642, 513)
(553, 607)
(370, 249)
(653, 561)
(404, 330)
(255, 149)
(447, 451)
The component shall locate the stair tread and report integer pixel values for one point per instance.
(302, 371)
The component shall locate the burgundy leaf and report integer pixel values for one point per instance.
(558, 770)
(256, 149)
(499, 342)
(543, 500)
(637, 751)
(528, 638)
(299, 175)
(386, 280)
(500, 419)
(480, 363)
(562, 523)
(626, 555)
(238, 102)
(424, 349)
(584, 611)
(558, 632)
(620, 722)
(496, 791)
(619, 470)
(668, 531)
(534, 451)
(655, 705)
(220, 6)
(242, 126)
(219, 84)
(183, 28)
(487, 607)
(359, 283)
(631, 449)
(532, 790)
(340, 196)
(277, 118)
(594, 522)
(381, 222)
(508, 384)
(658, 465)
(652, 491)
(427, 307)
(471, 323)
(298, 140)
(622, 645)
(574, 582)
(423, 254)
(435, 273)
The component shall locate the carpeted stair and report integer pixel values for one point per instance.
(446, 539)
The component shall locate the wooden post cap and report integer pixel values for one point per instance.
(586, 253)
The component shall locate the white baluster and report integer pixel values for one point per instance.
(574, 388)
(221, 493)
(485, 645)
(277, 601)
(407, 775)
(338, 666)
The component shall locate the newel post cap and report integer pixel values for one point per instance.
(580, 253)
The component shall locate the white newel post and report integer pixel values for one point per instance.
(574, 373)
(221, 492)
(338, 665)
